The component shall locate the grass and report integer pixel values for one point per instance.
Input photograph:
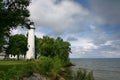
(8, 62)
(51, 68)
(14, 69)
(5, 65)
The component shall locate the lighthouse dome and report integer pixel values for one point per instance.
(32, 25)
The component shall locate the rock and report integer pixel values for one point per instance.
(63, 69)
(35, 76)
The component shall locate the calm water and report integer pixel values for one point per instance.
(103, 69)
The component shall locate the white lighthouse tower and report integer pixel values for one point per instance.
(31, 42)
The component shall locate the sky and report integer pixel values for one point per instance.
(91, 26)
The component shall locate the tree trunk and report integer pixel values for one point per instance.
(17, 57)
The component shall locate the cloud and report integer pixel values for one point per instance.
(108, 43)
(83, 27)
(112, 45)
(71, 38)
(109, 10)
(96, 46)
(19, 30)
(64, 16)
(60, 17)
(40, 34)
(87, 29)
(108, 49)
(83, 45)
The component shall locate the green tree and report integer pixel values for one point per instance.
(63, 48)
(51, 47)
(37, 49)
(17, 45)
(47, 47)
(13, 13)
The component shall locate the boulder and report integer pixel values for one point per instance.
(35, 76)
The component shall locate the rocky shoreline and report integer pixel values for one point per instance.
(34, 76)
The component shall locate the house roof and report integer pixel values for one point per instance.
(2, 54)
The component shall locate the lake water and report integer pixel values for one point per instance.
(103, 69)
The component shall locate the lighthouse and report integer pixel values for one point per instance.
(31, 42)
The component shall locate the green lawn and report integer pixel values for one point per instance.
(7, 62)
(6, 65)
(15, 69)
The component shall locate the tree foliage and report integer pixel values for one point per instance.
(51, 47)
(13, 13)
(17, 45)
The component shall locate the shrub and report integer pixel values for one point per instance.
(90, 76)
(57, 64)
(83, 74)
(30, 67)
(68, 74)
(80, 74)
(50, 66)
(2, 75)
(15, 73)
(45, 65)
